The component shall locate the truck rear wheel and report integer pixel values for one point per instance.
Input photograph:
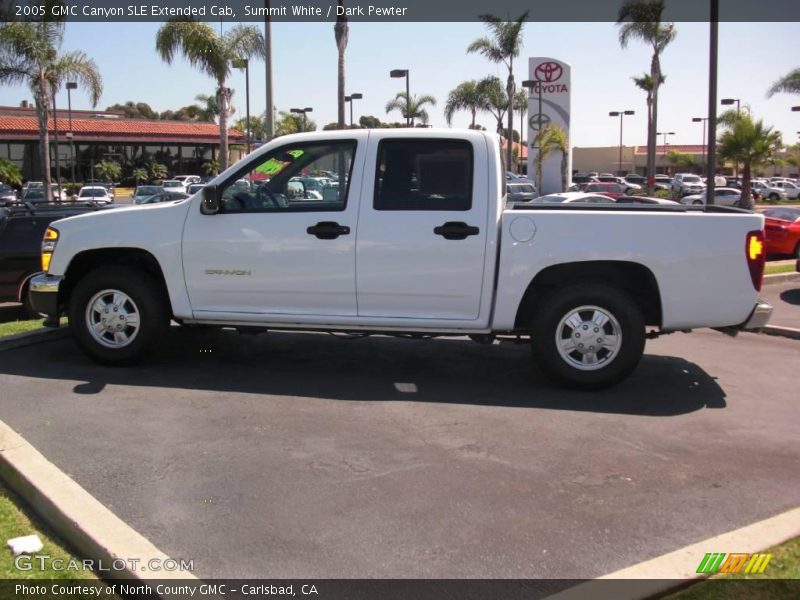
(588, 336)
(117, 314)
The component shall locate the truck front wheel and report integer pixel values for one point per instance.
(117, 314)
(588, 336)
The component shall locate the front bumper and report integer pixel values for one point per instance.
(43, 292)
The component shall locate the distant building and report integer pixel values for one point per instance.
(183, 146)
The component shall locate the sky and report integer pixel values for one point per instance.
(751, 57)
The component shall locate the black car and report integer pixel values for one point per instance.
(7, 194)
(21, 230)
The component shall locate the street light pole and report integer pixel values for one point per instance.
(404, 73)
(269, 116)
(71, 85)
(350, 99)
(665, 134)
(713, 45)
(620, 114)
(302, 111)
(702, 120)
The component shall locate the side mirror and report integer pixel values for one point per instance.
(210, 202)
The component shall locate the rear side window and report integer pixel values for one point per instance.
(424, 175)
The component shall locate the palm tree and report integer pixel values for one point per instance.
(413, 108)
(466, 96)
(645, 82)
(551, 138)
(212, 53)
(491, 88)
(139, 175)
(502, 47)
(641, 19)
(29, 54)
(751, 143)
(208, 107)
(521, 106)
(789, 84)
(341, 31)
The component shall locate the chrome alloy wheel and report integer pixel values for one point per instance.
(112, 318)
(588, 338)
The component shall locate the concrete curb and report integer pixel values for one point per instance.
(75, 515)
(666, 572)
(787, 332)
(30, 338)
(780, 278)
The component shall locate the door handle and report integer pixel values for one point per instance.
(456, 230)
(328, 230)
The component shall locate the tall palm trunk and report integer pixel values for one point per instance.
(746, 199)
(564, 170)
(655, 74)
(341, 88)
(42, 106)
(474, 111)
(510, 92)
(223, 107)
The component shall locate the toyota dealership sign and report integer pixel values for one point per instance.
(548, 102)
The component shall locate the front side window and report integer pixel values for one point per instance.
(290, 179)
(424, 175)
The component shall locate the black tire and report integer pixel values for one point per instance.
(612, 367)
(146, 299)
(696, 202)
(773, 196)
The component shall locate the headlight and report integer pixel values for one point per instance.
(48, 247)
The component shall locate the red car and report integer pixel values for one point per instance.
(612, 190)
(782, 229)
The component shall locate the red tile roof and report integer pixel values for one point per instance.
(518, 147)
(122, 130)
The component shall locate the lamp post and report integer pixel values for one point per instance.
(403, 73)
(350, 99)
(302, 111)
(243, 63)
(620, 114)
(665, 134)
(71, 85)
(702, 120)
(269, 114)
(729, 101)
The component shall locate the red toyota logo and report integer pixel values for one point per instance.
(548, 72)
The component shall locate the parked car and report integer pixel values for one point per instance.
(35, 195)
(634, 179)
(723, 196)
(143, 192)
(684, 184)
(58, 193)
(436, 252)
(520, 192)
(768, 191)
(187, 180)
(612, 190)
(662, 182)
(164, 197)
(734, 182)
(94, 193)
(173, 185)
(646, 200)
(109, 185)
(21, 231)
(570, 197)
(792, 189)
(782, 231)
(7, 194)
(579, 179)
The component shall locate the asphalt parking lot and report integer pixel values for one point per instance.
(302, 455)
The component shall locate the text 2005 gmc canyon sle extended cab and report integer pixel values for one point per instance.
(414, 238)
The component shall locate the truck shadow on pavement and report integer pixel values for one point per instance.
(375, 369)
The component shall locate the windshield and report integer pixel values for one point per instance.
(169, 184)
(37, 193)
(92, 193)
(692, 179)
(147, 190)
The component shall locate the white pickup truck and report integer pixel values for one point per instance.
(414, 237)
